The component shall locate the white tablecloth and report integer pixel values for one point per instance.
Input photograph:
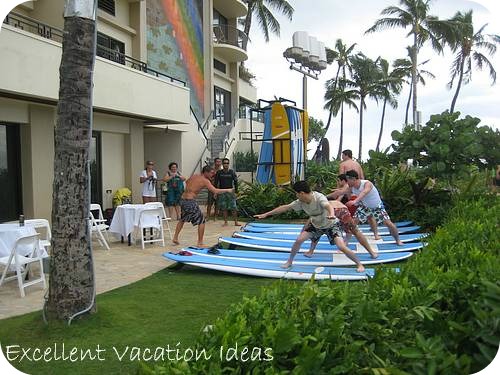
(125, 218)
(9, 233)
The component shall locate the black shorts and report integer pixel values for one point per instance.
(190, 212)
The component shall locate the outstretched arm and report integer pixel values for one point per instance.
(215, 190)
(277, 210)
(366, 190)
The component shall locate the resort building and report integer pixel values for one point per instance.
(168, 86)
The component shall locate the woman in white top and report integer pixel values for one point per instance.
(148, 179)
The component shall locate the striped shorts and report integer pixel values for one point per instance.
(190, 212)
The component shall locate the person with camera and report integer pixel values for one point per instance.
(148, 180)
(175, 184)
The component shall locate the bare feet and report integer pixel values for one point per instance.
(286, 265)
(175, 242)
(225, 224)
(377, 237)
(308, 254)
(361, 268)
(236, 224)
(201, 245)
(399, 243)
(374, 255)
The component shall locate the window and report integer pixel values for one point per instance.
(10, 172)
(220, 26)
(107, 5)
(110, 48)
(222, 99)
(220, 66)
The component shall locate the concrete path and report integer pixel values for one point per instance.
(120, 266)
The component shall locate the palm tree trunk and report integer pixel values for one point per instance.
(408, 104)
(459, 85)
(248, 23)
(71, 287)
(329, 115)
(414, 78)
(341, 137)
(360, 149)
(381, 126)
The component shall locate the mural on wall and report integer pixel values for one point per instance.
(175, 44)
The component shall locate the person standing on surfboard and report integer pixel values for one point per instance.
(190, 211)
(370, 207)
(348, 226)
(348, 164)
(321, 221)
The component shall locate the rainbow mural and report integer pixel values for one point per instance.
(175, 44)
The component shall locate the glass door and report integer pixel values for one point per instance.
(10, 173)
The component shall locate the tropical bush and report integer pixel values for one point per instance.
(258, 198)
(322, 176)
(438, 315)
(245, 161)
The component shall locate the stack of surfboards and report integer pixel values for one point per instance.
(262, 253)
(282, 154)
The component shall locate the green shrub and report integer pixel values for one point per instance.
(439, 315)
(258, 198)
(245, 161)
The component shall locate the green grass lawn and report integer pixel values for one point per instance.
(166, 308)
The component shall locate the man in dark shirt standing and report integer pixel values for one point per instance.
(226, 179)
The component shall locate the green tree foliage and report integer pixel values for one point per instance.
(446, 147)
(316, 130)
(245, 161)
(467, 46)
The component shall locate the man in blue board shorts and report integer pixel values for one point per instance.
(321, 221)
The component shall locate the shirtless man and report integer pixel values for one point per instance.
(348, 226)
(190, 211)
(348, 164)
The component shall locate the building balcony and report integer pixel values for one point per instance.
(231, 8)
(31, 56)
(228, 43)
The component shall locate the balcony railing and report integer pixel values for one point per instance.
(225, 34)
(33, 26)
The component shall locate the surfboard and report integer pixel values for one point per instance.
(322, 247)
(298, 225)
(271, 270)
(280, 131)
(333, 259)
(294, 129)
(265, 165)
(296, 231)
(290, 238)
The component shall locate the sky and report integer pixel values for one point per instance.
(329, 20)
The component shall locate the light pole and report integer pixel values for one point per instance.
(307, 56)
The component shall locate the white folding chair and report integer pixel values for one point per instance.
(151, 218)
(42, 227)
(164, 216)
(20, 264)
(98, 224)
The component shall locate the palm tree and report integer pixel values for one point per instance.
(365, 82)
(336, 96)
(71, 287)
(467, 45)
(403, 69)
(341, 55)
(391, 84)
(268, 23)
(424, 27)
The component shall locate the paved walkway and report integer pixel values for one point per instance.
(120, 266)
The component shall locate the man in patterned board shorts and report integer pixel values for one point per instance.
(224, 179)
(349, 227)
(190, 211)
(370, 207)
(321, 221)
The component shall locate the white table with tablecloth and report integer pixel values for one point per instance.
(9, 233)
(126, 218)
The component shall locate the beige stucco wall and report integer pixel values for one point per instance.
(14, 111)
(113, 165)
(163, 148)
